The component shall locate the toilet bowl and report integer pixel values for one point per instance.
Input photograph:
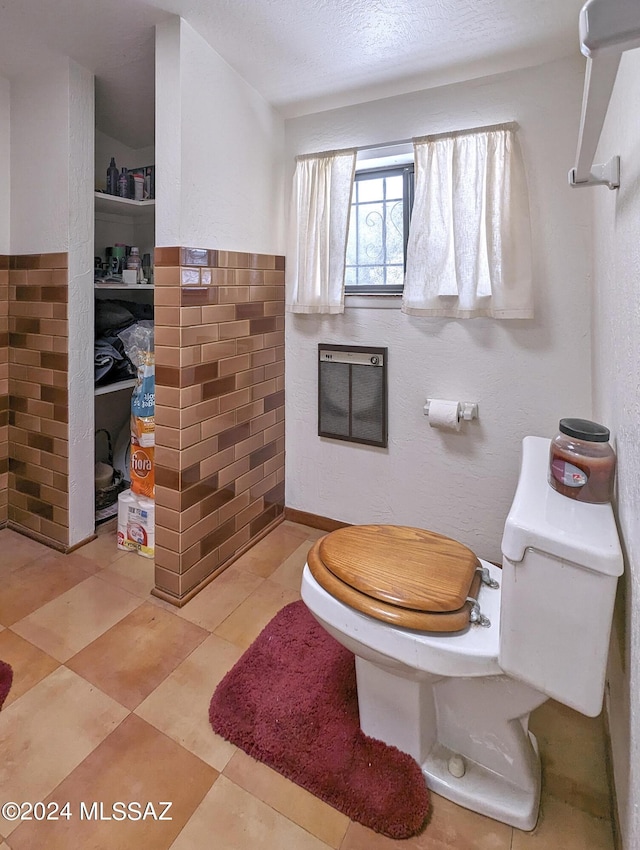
(458, 698)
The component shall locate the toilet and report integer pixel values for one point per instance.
(453, 653)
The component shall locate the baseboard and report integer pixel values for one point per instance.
(180, 601)
(313, 520)
(615, 817)
(47, 541)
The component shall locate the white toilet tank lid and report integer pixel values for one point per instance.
(543, 519)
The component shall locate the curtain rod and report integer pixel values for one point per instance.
(356, 149)
(509, 125)
(452, 134)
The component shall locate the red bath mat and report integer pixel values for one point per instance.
(291, 703)
(6, 678)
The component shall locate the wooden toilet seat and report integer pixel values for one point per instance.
(406, 576)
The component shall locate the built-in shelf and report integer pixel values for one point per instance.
(114, 286)
(116, 387)
(123, 206)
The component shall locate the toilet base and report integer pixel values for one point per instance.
(483, 791)
(484, 720)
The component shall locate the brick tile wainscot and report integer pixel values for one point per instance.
(219, 340)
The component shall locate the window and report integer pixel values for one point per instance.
(378, 231)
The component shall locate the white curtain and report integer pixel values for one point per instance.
(469, 251)
(318, 227)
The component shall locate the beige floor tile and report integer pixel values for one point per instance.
(573, 757)
(131, 658)
(231, 819)
(306, 530)
(36, 583)
(289, 573)
(69, 623)
(132, 573)
(263, 558)
(16, 550)
(103, 550)
(47, 733)
(179, 707)
(135, 763)
(312, 814)
(244, 625)
(219, 598)
(450, 827)
(562, 827)
(108, 528)
(30, 664)
(88, 564)
(55, 723)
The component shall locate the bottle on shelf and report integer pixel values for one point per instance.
(134, 263)
(112, 178)
(138, 187)
(146, 267)
(119, 251)
(123, 184)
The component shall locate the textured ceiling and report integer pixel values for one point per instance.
(301, 56)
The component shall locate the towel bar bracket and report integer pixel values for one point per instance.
(606, 174)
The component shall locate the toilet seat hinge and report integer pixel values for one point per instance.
(476, 616)
(485, 577)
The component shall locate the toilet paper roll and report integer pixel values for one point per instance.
(126, 501)
(145, 526)
(446, 415)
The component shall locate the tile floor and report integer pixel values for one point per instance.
(110, 701)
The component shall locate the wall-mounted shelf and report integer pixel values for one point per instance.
(116, 387)
(115, 205)
(608, 28)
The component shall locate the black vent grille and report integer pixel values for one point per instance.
(352, 393)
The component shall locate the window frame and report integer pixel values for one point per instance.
(407, 171)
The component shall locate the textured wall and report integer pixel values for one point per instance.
(5, 170)
(220, 147)
(616, 335)
(81, 116)
(524, 375)
(219, 340)
(40, 161)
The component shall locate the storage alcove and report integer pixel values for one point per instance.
(118, 221)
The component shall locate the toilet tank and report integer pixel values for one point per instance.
(560, 566)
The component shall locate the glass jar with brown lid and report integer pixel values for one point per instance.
(581, 461)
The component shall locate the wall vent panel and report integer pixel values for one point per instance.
(352, 393)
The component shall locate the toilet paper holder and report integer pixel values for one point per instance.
(468, 409)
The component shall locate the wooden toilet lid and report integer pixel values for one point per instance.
(406, 576)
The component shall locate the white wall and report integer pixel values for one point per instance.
(525, 375)
(219, 151)
(5, 167)
(40, 166)
(616, 349)
(80, 132)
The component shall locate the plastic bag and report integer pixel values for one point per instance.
(138, 341)
(142, 471)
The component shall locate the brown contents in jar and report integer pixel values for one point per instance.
(568, 470)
